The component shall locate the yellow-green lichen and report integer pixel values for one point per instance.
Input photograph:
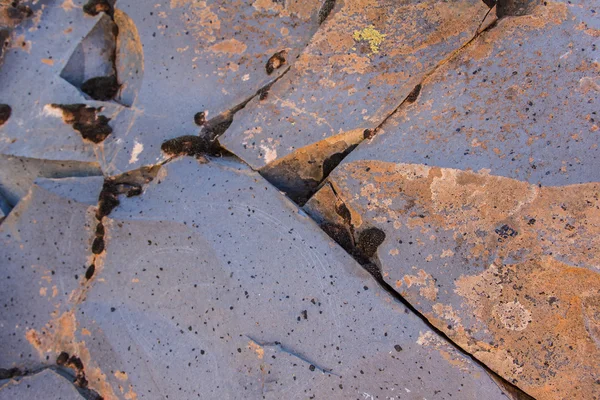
(371, 35)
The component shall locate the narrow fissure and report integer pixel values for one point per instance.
(285, 173)
(206, 142)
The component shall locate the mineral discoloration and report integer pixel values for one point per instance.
(524, 290)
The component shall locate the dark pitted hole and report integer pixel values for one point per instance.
(414, 94)
(95, 7)
(102, 88)
(200, 118)
(276, 61)
(62, 358)
(98, 245)
(5, 113)
(369, 240)
(90, 272)
(86, 121)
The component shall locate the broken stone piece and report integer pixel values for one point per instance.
(38, 386)
(224, 287)
(44, 247)
(487, 192)
(30, 82)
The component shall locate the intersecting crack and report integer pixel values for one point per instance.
(206, 143)
(302, 172)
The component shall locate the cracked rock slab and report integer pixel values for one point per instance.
(40, 386)
(35, 132)
(487, 191)
(44, 246)
(362, 63)
(215, 285)
(211, 55)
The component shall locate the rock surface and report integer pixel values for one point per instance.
(363, 63)
(487, 192)
(192, 303)
(450, 149)
(43, 385)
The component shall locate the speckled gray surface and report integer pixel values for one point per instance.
(487, 190)
(46, 384)
(191, 302)
(45, 248)
(139, 265)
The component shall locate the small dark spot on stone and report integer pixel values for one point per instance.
(368, 134)
(276, 61)
(398, 348)
(102, 88)
(5, 113)
(98, 245)
(312, 367)
(200, 118)
(188, 145)
(90, 272)
(414, 94)
(62, 358)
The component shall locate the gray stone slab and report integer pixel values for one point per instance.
(17, 174)
(184, 57)
(487, 191)
(367, 58)
(216, 285)
(46, 384)
(45, 251)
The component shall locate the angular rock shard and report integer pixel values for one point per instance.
(487, 191)
(42, 385)
(30, 82)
